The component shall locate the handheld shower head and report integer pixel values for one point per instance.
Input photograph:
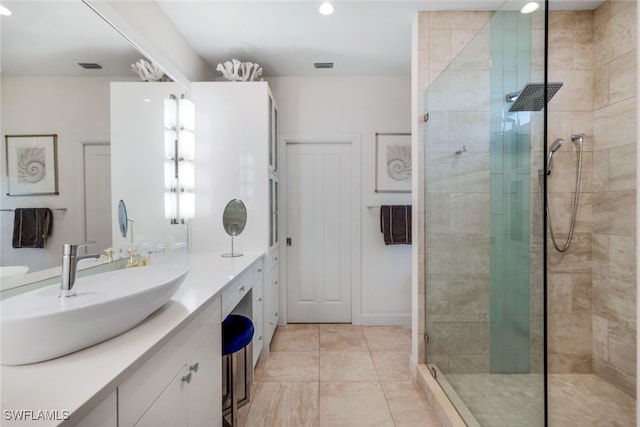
(555, 146)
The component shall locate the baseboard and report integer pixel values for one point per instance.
(386, 320)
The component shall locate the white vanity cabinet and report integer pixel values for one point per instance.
(181, 384)
(258, 311)
(271, 296)
(103, 415)
(189, 399)
(167, 371)
(272, 265)
(237, 157)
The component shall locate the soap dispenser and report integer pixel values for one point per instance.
(133, 262)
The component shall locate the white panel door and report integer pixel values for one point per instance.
(97, 197)
(319, 224)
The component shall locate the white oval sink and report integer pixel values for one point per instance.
(39, 325)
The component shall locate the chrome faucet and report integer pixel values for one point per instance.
(70, 260)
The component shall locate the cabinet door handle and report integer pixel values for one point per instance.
(259, 270)
(271, 323)
(275, 314)
(194, 367)
(260, 337)
(241, 289)
(275, 282)
(187, 378)
(275, 259)
(259, 299)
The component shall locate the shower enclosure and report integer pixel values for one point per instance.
(484, 222)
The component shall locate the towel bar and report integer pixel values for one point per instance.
(53, 209)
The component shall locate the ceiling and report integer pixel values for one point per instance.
(287, 37)
(50, 38)
(284, 37)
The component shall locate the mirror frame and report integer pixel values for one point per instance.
(235, 214)
(123, 220)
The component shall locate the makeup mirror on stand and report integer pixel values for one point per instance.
(234, 219)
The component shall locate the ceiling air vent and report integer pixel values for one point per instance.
(90, 65)
(320, 65)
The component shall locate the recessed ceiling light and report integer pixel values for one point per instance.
(4, 11)
(530, 7)
(326, 8)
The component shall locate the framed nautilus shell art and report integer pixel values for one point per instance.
(32, 164)
(393, 162)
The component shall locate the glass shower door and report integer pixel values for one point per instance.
(483, 226)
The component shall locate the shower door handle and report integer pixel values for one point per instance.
(288, 241)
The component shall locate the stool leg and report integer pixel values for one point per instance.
(248, 369)
(234, 389)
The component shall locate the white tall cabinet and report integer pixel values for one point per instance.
(237, 158)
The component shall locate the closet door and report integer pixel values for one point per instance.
(319, 224)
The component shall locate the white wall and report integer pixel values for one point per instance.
(326, 106)
(77, 110)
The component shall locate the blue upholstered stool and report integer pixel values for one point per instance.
(237, 332)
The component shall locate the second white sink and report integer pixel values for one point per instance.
(39, 325)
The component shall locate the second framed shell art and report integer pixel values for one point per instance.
(393, 162)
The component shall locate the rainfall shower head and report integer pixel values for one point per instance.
(531, 97)
(555, 146)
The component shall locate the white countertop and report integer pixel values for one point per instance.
(79, 381)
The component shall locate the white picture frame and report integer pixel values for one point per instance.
(32, 165)
(393, 163)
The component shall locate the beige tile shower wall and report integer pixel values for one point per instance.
(569, 288)
(614, 194)
(455, 251)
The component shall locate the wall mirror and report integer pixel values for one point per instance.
(234, 219)
(46, 90)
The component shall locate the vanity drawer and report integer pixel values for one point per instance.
(256, 271)
(272, 303)
(271, 260)
(234, 292)
(258, 335)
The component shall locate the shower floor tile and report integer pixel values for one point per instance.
(587, 400)
(500, 400)
(580, 400)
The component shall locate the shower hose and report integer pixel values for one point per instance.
(578, 140)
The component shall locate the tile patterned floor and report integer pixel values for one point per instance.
(337, 375)
(343, 375)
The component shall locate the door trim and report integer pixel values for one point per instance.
(355, 140)
(83, 193)
(79, 217)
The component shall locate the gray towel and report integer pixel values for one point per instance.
(31, 227)
(395, 224)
